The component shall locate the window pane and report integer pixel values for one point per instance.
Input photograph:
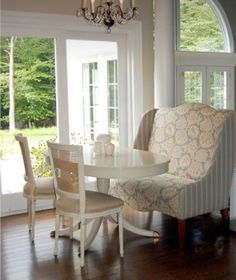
(112, 100)
(199, 28)
(113, 122)
(218, 84)
(90, 91)
(31, 106)
(112, 71)
(192, 86)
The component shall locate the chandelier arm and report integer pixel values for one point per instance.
(89, 16)
(122, 17)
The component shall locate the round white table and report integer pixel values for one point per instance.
(124, 163)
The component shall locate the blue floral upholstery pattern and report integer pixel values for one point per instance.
(189, 136)
(199, 141)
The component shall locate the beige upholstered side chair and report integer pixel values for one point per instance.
(36, 187)
(199, 142)
(72, 201)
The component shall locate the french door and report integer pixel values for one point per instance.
(117, 111)
(89, 101)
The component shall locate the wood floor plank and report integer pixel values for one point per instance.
(210, 251)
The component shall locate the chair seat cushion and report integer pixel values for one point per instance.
(162, 193)
(43, 186)
(95, 202)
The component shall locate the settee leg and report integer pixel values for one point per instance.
(225, 216)
(181, 232)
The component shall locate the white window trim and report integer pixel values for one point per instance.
(224, 24)
(204, 58)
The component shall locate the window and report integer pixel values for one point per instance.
(192, 86)
(205, 72)
(199, 27)
(90, 99)
(95, 100)
(93, 89)
(27, 104)
(112, 87)
(206, 84)
(218, 89)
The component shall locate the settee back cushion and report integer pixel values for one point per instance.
(189, 135)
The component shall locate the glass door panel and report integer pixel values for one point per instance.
(93, 92)
(27, 106)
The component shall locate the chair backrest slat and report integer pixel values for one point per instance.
(23, 142)
(68, 171)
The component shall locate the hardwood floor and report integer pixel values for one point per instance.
(210, 251)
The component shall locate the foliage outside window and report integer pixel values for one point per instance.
(192, 86)
(32, 82)
(40, 167)
(199, 28)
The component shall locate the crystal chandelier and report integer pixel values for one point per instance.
(108, 12)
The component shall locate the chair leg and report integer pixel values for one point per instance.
(225, 216)
(71, 227)
(82, 241)
(29, 214)
(57, 227)
(33, 205)
(181, 231)
(121, 234)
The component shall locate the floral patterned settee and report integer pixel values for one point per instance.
(199, 142)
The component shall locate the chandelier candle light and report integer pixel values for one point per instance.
(107, 12)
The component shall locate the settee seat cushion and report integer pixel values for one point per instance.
(162, 193)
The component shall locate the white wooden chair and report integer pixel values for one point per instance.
(72, 201)
(35, 188)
